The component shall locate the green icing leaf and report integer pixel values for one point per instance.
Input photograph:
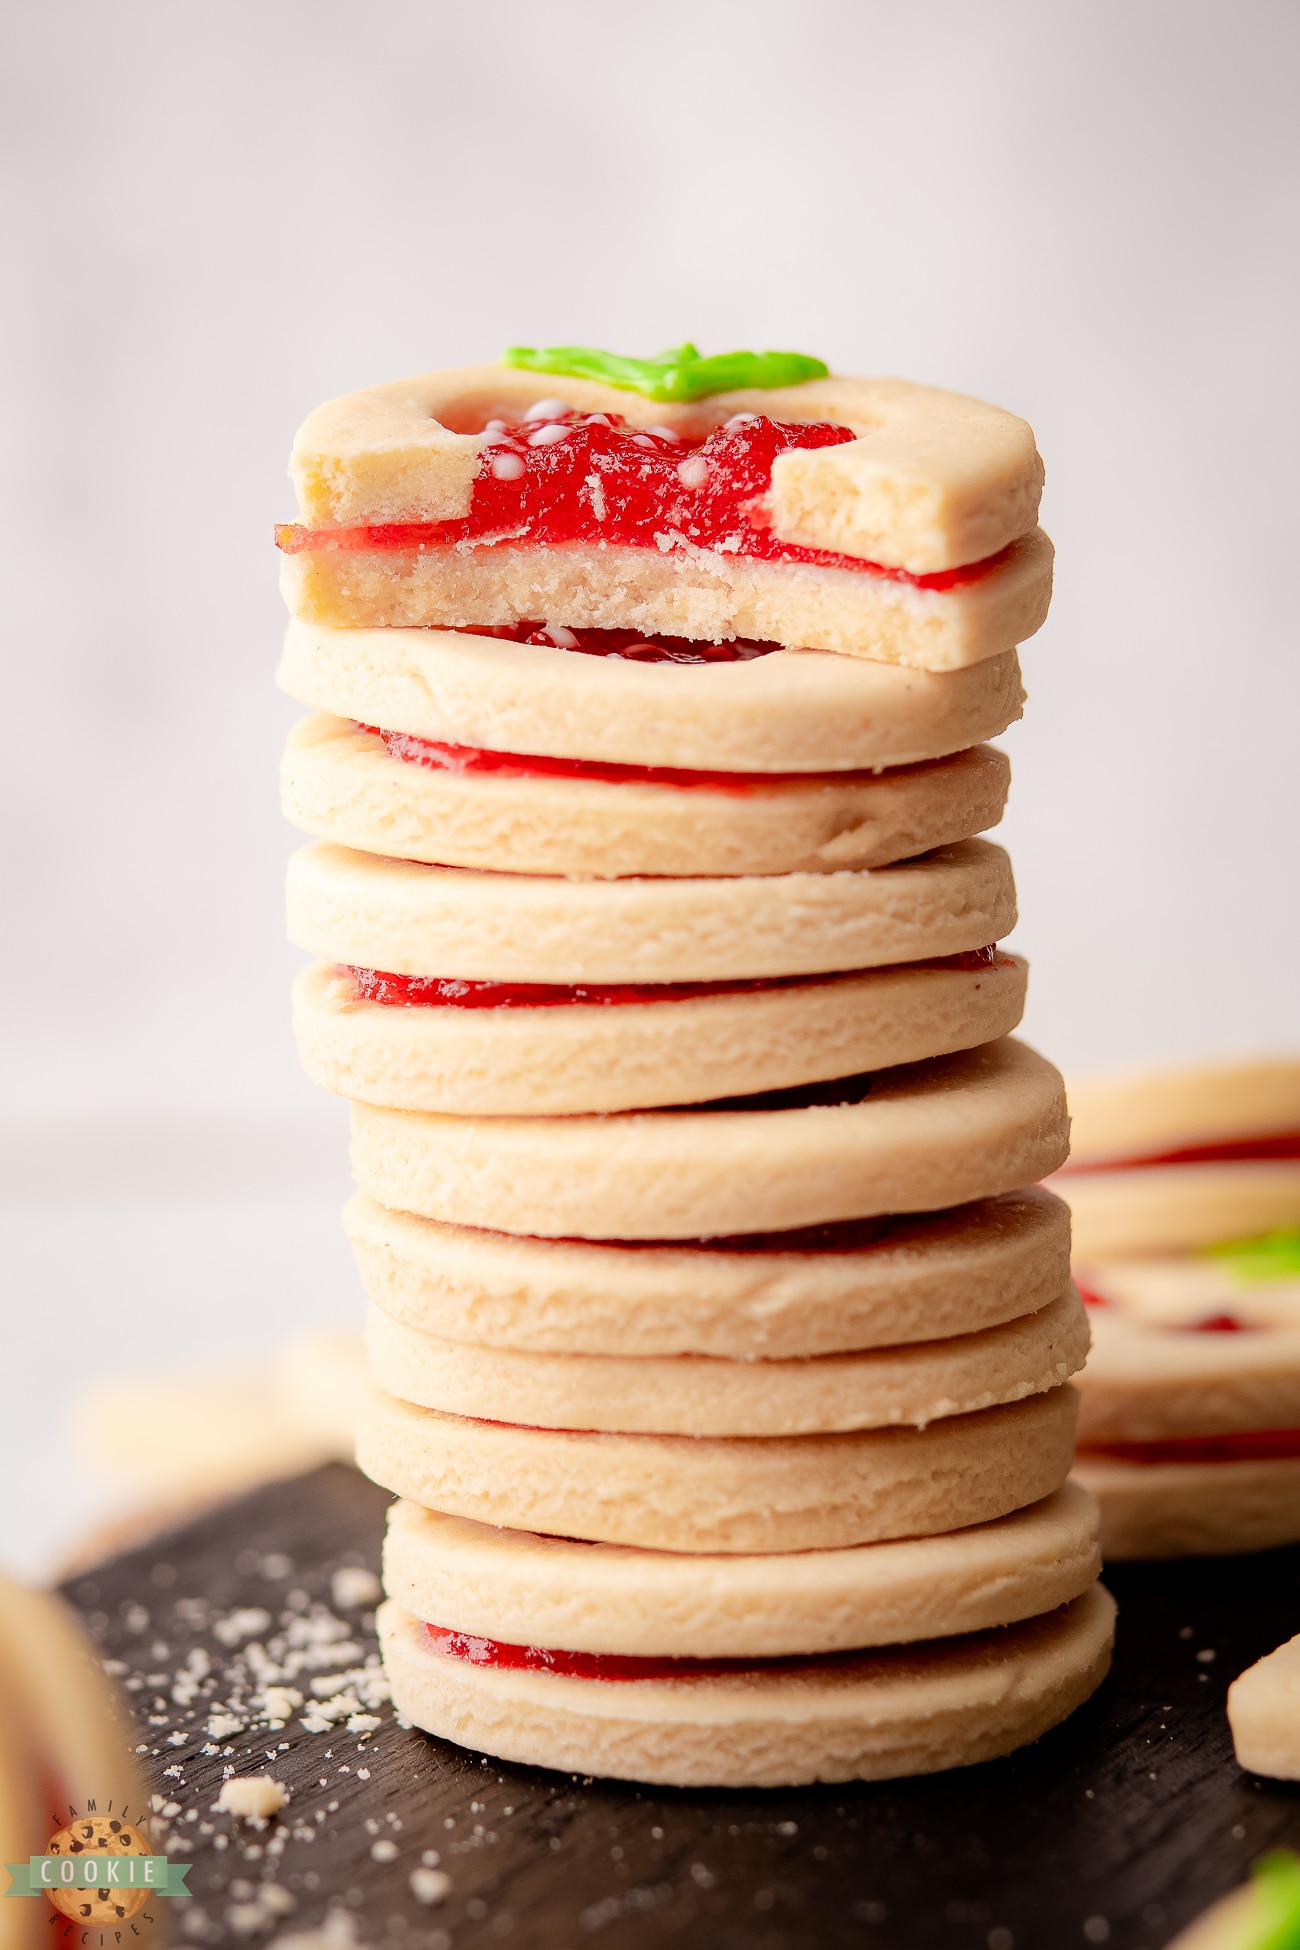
(1272, 1256)
(677, 375)
(1276, 1878)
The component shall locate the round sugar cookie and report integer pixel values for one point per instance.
(733, 1493)
(909, 1140)
(1151, 1112)
(524, 1589)
(876, 1283)
(1146, 1384)
(932, 479)
(1193, 1509)
(341, 783)
(590, 1056)
(705, 594)
(700, 1395)
(1167, 1208)
(789, 711)
(915, 1710)
(410, 919)
(1254, 1283)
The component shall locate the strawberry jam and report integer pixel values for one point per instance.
(435, 756)
(448, 992)
(594, 479)
(1284, 1147)
(627, 646)
(476, 1651)
(1255, 1445)
(439, 992)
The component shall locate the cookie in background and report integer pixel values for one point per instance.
(177, 1443)
(1184, 1189)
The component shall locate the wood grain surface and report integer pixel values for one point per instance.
(1116, 1828)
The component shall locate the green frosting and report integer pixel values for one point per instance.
(1277, 1902)
(1272, 1256)
(676, 375)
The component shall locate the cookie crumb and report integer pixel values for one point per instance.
(253, 1797)
(429, 1886)
(353, 1586)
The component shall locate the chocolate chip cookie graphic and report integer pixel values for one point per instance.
(98, 1835)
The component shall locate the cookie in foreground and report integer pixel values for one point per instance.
(874, 518)
(917, 1709)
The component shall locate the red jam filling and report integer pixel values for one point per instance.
(1089, 1296)
(445, 992)
(1284, 1146)
(627, 646)
(1219, 1324)
(438, 757)
(595, 479)
(1255, 1445)
(477, 1651)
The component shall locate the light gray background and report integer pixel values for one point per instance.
(218, 216)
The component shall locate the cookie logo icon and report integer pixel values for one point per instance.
(104, 1902)
(99, 1872)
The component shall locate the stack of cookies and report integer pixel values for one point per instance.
(720, 1356)
(1185, 1187)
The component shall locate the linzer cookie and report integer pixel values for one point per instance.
(1189, 1429)
(870, 517)
(427, 799)
(721, 1338)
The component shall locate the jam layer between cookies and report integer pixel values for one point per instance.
(593, 478)
(440, 992)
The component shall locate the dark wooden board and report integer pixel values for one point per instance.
(1117, 1827)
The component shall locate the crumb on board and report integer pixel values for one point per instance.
(353, 1586)
(255, 1797)
(430, 1886)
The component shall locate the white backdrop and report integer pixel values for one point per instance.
(218, 216)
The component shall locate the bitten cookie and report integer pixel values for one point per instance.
(483, 496)
(915, 1710)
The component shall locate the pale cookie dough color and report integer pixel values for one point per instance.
(343, 783)
(790, 711)
(1185, 1205)
(917, 1710)
(882, 1283)
(1148, 1384)
(595, 1055)
(911, 1140)
(679, 594)
(410, 919)
(698, 1493)
(1193, 1509)
(1264, 1714)
(408, 521)
(698, 1395)
(1169, 1160)
(721, 1330)
(522, 1588)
